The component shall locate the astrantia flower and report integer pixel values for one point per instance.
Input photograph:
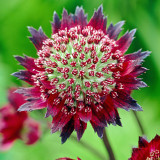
(66, 158)
(16, 125)
(81, 73)
(147, 150)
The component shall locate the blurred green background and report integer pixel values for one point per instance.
(16, 15)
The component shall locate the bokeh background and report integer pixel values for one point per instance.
(16, 15)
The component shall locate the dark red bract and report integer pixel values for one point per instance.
(81, 73)
(16, 125)
(147, 150)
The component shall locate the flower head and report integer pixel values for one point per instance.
(147, 150)
(81, 73)
(16, 125)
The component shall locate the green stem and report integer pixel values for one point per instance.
(89, 147)
(108, 146)
(139, 123)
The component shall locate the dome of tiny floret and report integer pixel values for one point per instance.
(81, 73)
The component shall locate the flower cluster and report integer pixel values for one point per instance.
(147, 150)
(81, 73)
(16, 125)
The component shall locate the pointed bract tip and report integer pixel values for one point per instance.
(100, 135)
(14, 74)
(40, 29)
(78, 137)
(46, 115)
(78, 8)
(55, 16)
(143, 85)
(21, 74)
(54, 13)
(121, 23)
(16, 56)
(138, 108)
(118, 122)
(32, 31)
(17, 90)
(100, 8)
(141, 138)
(20, 109)
(64, 12)
(148, 52)
(30, 28)
(63, 140)
(133, 31)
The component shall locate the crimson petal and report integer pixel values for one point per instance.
(67, 21)
(123, 100)
(125, 41)
(79, 126)
(56, 24)
(85, 114)
(155, 141)
(98, 21)
(97, 129)
(59, 121)
(24, 75)
(67, 131)
(131, 83)
(117, 119)
(113, 31)
(129, 66)
(27, 62)
(15, 99)
(97, 122)
(136, 84)
(80, 18)
(34, 104)
(53, 109)
(142, 142)
(138, 71)
(138, 154)
(37, 37)
(111, 113)
(100, 114)
(32, 91)
(137, 56)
